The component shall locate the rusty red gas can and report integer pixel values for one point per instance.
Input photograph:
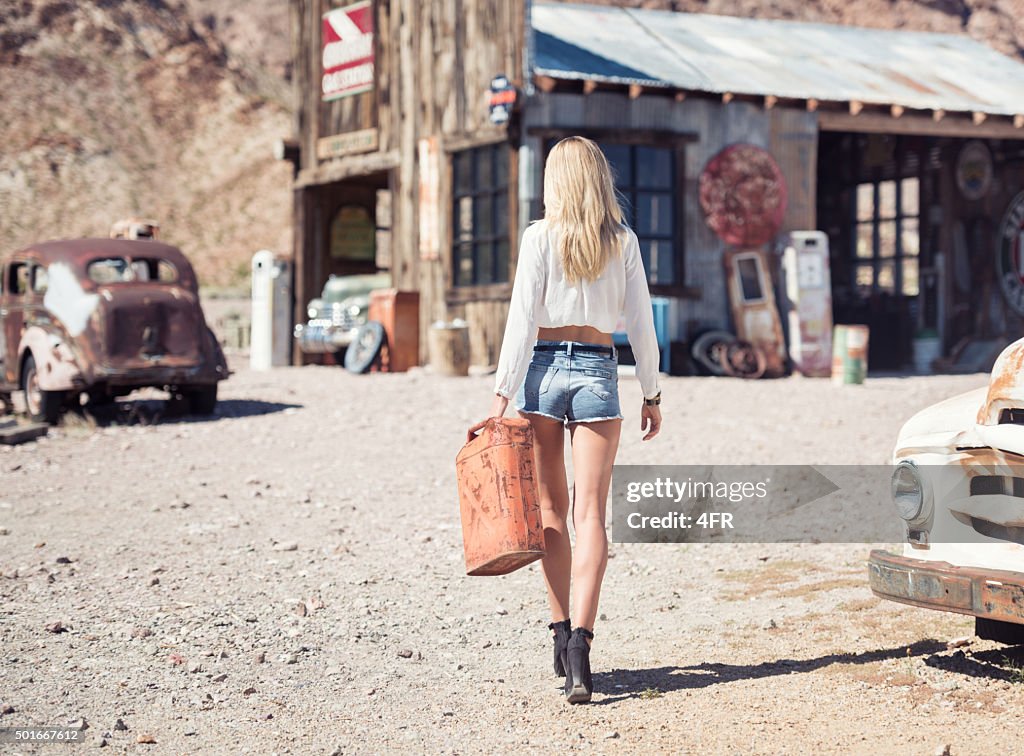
(501, 523)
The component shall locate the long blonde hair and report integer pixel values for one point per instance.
(580, 199)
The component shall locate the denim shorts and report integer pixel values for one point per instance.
(575, 381)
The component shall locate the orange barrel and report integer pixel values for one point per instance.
(849, 354)
(399, 313)
(501, 525)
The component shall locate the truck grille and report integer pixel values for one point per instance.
(997, 485)
(338, 316)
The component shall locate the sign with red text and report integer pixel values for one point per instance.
(347, 50)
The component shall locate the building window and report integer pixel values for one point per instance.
(481, 215)
(645, 177)
(887, 237)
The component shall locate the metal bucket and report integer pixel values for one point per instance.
(501, 523)
(849, 354)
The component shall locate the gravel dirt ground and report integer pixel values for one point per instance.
(287, 577)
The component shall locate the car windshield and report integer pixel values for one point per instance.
(121, 269)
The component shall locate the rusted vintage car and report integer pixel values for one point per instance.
(103, 317)
(958, 484)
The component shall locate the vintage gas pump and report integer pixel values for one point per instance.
(807, 302)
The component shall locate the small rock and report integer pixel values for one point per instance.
(79, 724)
(405, 653)
(501, 611)
(259, 657)
(300, 609)
(942, 749)
(223, 654)
(248, 691)
(960, 642)
(221, 677)
(196, 669)
(290, 659)
(769, 624)
(120, 725)
(4, 531)
(141, 632)
(146, 738)
(154, 581)
(7, 710)
(286, 546)
(63, 560)
(603, 617)
(611, 735)
(56, 627)
(101, 742)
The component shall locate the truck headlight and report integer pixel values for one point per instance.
(910, 494)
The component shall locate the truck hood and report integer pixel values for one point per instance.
(940, 426)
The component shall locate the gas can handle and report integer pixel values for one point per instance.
(472, 432)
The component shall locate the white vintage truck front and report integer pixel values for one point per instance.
(958, 484)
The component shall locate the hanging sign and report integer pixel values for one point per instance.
(502, 99)
(743, 195)
(1010, 254)
(347, 40)
(974, 170)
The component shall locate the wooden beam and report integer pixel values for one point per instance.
(770, 102)
(635, 90)
(680, 96)
(938, 115)
(589, 86)
(978, 117)
(855, 107)
(896, 111)
(812, 105)
(953, 126)
(545, 83)
(727, 97)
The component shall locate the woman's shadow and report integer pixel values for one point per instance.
(620, 684)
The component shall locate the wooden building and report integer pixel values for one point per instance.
(905, 148)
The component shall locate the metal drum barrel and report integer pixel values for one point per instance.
(849, 354)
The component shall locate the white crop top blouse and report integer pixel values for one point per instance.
(541, 298)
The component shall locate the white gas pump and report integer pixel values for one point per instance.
(270, 337)
(808, 302)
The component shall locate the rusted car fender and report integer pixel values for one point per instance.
(55, 362)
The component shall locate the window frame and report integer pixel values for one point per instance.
(476, 289)
(874, 263)
(674, 141)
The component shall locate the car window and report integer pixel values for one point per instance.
(40, 279)
(17, 277)
(119, 270)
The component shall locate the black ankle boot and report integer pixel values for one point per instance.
(578, 685)
(562, 631)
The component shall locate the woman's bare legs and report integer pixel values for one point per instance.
(593, 451)
(549, 456)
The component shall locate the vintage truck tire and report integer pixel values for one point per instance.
(365, 347)
(202, 400)
(42, 406)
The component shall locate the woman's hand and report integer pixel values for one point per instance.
(498, 407)
(650, 420)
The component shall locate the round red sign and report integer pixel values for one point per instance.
(743, 194)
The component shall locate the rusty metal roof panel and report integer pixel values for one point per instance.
(702, 52)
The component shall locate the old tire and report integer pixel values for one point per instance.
(365, 347)
(202, 400)
(42, 406)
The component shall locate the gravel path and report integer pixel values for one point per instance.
(287, 577)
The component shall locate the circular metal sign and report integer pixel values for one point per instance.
(1010, 254)
(974, 170)
(743, 194)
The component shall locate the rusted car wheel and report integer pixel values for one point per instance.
(365, 347)
(202, 400)
(42, 406)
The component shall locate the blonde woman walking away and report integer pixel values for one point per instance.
(579, 269)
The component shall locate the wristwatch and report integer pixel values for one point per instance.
(654, 400)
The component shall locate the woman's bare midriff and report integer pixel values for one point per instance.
(586, 334)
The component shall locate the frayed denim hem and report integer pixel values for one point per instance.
(596, 419)
(542, 414)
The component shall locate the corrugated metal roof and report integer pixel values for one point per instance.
(701, 52)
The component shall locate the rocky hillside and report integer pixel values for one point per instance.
(115, 108)
(168, 109)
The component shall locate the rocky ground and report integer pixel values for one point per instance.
(287, 577)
